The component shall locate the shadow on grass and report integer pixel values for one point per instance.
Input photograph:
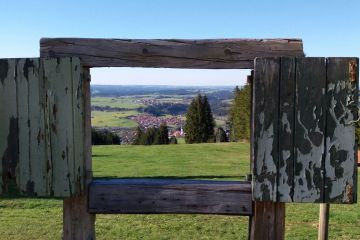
(177, 177)
(101, 155)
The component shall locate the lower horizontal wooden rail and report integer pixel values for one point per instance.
(170, 196)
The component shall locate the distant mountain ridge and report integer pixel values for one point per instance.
(131, 90)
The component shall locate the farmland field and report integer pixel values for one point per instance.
(42, 218)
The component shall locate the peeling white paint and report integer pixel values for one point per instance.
(258, 193)
(314, 114)
(264, 157)
(264, 149)
(309, 161)
(283, 187)
(343, 140)
(262, 116)
(331, 87)
(285, 123)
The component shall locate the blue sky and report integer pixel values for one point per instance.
(328, 28)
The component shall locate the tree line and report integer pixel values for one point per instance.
(104, 137)
(153, 136)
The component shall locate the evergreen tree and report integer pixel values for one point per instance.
(173, 140)
(162, 136)
(199, 125)
(149, 136)
(104, 137)
(220, 135)
(139, 136)
(239, 115)
(152, 135)
(209, 121)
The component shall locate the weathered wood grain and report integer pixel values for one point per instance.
(32, 154)
(42, 126)
(312, 148)
(22, 88)
(286, 130)
(340, 162)
(78, 120)
(324, 213)
(78, 223)
(266, 108)
(58, 75)
(310, 111)
(38, 158)
(8, 123)
(170, 196)
(268, 221)
(170, 53)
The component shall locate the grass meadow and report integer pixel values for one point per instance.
(42, 218)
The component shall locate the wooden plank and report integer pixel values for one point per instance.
(340, 161)
(323, 233)
(59, 79)
(268, 221)
(310, 113)
(32, 163)
(22, 88)
(38, 184)
(46, 100)
(78, 223)
(78, 105)
(170, 196)
(170, 53)
(9, 146)
(32, 155)
(266, 110)
(286, 130)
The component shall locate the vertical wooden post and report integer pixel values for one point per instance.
(268, 221)
(77, 222)
(323, 233)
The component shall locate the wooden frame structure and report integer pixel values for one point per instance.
(266, 218)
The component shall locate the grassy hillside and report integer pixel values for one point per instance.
(42, 219)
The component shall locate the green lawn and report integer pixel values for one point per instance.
(42, 219)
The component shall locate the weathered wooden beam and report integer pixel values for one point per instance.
(268, 221)
(323, 233)
(78, 223)
(170, 196)
(170, 53)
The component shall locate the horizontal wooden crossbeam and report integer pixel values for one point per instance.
(170, 196)
(170, 53)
